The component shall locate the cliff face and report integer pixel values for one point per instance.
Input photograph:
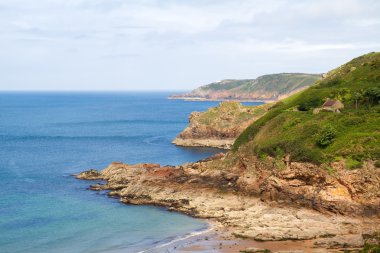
(255, 199)
(267, 87)
(219, 126)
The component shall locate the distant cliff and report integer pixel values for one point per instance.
(268, 87)
(219, 126)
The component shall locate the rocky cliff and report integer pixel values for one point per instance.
(256, 200)
(219, 126)
(268, 87)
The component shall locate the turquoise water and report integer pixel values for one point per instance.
(46, 137)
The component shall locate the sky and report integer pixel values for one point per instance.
(176, 44)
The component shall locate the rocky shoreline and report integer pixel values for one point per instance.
(300, 202)
(206, 142)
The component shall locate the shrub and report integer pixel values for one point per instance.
(326, 136)
(333, 82)
(296, 149)
(352, 163)
(377, 164)
(368, 248)
(309, 104)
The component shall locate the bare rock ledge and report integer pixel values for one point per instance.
(301, 202)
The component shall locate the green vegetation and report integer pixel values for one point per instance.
(230, 114)
(326, 136)
(353, 134)
(370, 249)
(267, 86)
(227, 84)
(372, 243)
(309, 104)
(281, 83)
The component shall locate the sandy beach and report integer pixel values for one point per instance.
(218, 239)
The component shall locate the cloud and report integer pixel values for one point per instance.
(100, 39)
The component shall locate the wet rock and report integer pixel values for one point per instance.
(90, 175)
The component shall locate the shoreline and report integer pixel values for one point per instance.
(219, 239)
(245, 219)
(182, 241)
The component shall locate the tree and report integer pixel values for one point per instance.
(372, 95)
(357, 96)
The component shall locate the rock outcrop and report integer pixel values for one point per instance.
(256, 199)
(219, 126)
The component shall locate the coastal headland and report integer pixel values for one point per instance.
(219, 126)
(266, 88)
(306, 168)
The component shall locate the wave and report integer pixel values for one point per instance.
(158, 140)
(176, 240)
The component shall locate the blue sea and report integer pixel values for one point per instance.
(47, 137)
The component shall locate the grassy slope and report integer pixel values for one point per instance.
(230, 114)
(223, 85)
(282, 83)
(357, 131)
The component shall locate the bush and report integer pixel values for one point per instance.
(309, 104)
(326, 136)
(333, 82)
(372, 95)
(370, 249)
(298, 152)
(377, 164)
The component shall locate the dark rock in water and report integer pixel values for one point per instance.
(89, 175)
(96, 187)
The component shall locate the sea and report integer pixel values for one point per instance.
(46, 137)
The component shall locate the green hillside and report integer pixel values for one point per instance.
(223, 85)
(291, 127)
(281, 83)
(267, 87)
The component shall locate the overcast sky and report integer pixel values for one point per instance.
(174, 44)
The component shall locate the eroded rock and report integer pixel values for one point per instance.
(254, 198)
